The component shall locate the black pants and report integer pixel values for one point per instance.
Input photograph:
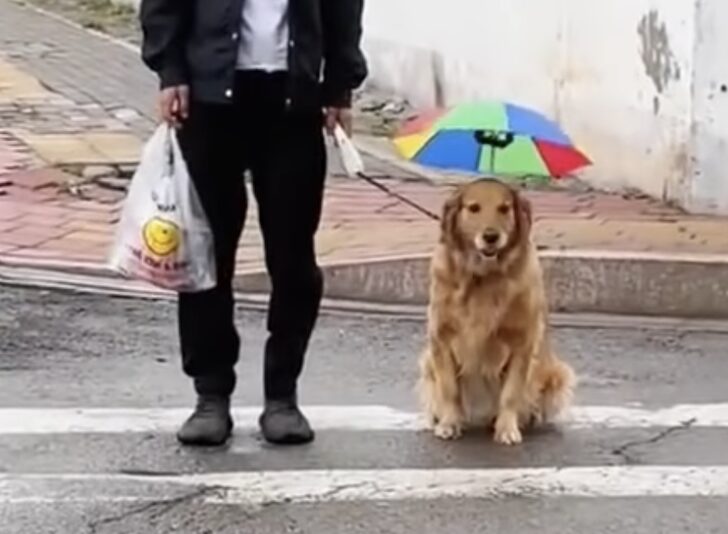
(284, 151)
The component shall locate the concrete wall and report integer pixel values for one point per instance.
(635, 82)
(708, 184)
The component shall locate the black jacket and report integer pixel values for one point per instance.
(195, 42)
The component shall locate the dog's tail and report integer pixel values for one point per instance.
(557, 382)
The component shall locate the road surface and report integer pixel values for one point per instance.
(90, 395)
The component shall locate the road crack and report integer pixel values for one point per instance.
(623, 450)
(337, 490)
(156, 509)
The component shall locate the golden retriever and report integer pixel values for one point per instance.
(488, 358)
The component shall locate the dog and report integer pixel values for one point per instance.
(488, 357)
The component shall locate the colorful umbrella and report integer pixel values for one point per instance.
(489, 138)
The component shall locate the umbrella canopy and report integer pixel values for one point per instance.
(489, 138)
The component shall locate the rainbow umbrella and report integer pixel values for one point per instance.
(489, 138)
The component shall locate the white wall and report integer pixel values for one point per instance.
(707, 189)
(628, 79)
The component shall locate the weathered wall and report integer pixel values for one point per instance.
(618, 75)
(641, 85)
(707, 188)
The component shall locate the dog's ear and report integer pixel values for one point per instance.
(449, 218)
(523, 213)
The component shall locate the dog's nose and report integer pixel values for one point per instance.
(491, 236)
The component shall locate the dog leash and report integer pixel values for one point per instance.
(354, 167)
(411, 203)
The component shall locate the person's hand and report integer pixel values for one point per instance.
(174, 104)
(338, 116)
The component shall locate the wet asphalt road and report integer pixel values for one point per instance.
(66, 350)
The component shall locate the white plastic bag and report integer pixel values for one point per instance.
(349, 155)
(164, 237)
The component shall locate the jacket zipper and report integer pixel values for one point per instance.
(289, 53)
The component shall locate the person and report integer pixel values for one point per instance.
(250, 85)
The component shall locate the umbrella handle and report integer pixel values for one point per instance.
(494, 138)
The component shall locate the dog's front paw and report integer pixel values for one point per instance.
(448, 431)
(430, 421)
(507, 431)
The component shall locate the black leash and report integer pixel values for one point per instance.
(401, 198)
(345, 145)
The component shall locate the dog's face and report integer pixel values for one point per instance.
(485, 220)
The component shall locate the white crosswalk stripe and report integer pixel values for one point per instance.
(334, 485)
(352, 418)
(307, 486)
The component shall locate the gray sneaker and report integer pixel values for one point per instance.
(210, 424)
(282, 423)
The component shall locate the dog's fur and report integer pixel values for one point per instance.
(488, 358)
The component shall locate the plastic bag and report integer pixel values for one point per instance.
(163, 236)
(348, 154)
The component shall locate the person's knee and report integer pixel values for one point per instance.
(297, 279)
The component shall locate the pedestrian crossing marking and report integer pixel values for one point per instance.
(348, 485)
(336, 485)
(351, 418)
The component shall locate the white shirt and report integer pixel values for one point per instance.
(264, 36)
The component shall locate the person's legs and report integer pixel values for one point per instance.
(289, 168)
(211, 145)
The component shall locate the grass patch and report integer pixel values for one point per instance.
(106, 16)
(102, 15)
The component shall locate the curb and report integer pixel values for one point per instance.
(645, 284)
(622, 283)
(112, 286)
(580, 281)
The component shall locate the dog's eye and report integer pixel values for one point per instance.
(504, 209)
(474, 208)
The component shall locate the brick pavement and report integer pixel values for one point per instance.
(76, 74)
(85, 68)
(14, 155)
(40, 221)
(58, 130)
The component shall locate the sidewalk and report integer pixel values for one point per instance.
(41, 219)
(75, 107)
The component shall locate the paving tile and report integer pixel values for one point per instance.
(47, 210)
(60, 149)
(35, 179)
(16, 83)
(11, 209)
(45, 219)
(87, 226)
(117, 148)
(90, 237)
(6, 249)
(38, 254)
(19, 238)
(29, 196)
(105, 217)
(6, 226)
(84, 206)
(66, 244)
(40, 230)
